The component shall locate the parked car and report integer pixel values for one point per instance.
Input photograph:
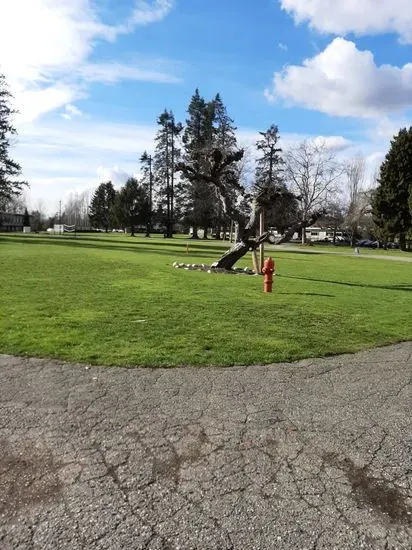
(391, 245)
(368, 243)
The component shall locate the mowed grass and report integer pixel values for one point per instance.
(117, 300)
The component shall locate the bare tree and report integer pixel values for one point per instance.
(15, 204)
(355, 173)
(313, 174)
(76, 209)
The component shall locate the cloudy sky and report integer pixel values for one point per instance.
(90, 77)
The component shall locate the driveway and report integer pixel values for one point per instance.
(310, 455)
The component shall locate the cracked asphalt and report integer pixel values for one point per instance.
(310, 455)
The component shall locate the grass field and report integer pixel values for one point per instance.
(116, 300)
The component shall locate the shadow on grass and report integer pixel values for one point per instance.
(299, 252)
(405, 287)
(306, 294)
(100, 244)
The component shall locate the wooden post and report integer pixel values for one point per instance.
(236, 232)
(262, 246)
(256, 266)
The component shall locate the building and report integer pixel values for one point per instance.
(11, 222)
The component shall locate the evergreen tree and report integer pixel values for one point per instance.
(391, 204)
(167, 153)
(132, 205)
(147, 184)
(198, 140)
(269, 165)
(101, 207)
(9, 169)
(280, 205)
(26, 218)
(225, 130)
(224, 140)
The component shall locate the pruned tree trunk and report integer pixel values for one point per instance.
(232, 256)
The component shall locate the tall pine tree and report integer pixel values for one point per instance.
(224, 140)
(391, 210)
(9, 169)
(101, 206)
(167, 153)
(198, 140)
(269, 165)
(281, 206)
(146, 181)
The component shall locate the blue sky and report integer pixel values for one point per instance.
(90, 77)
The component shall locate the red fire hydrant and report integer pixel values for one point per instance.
(268, 270)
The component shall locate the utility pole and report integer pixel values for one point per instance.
(60, 216)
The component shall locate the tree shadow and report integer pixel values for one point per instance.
(401, 286)
(120, 244)
(306, 294)
(302, 252)
(200, 252)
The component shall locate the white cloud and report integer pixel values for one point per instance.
(34, 102)
(283, 46)
(334, 143)
(344, 81)
(109, 73)
(361, 17)
(71, 111)
(146, 12)
(248, 138)
(118, 176)
(43, 43)
(102, 137)
(387, 128)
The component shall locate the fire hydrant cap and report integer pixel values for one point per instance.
(269, 265)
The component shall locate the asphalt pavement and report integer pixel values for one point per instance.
(311, 455)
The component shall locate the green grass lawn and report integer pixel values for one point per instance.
(117, 300)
